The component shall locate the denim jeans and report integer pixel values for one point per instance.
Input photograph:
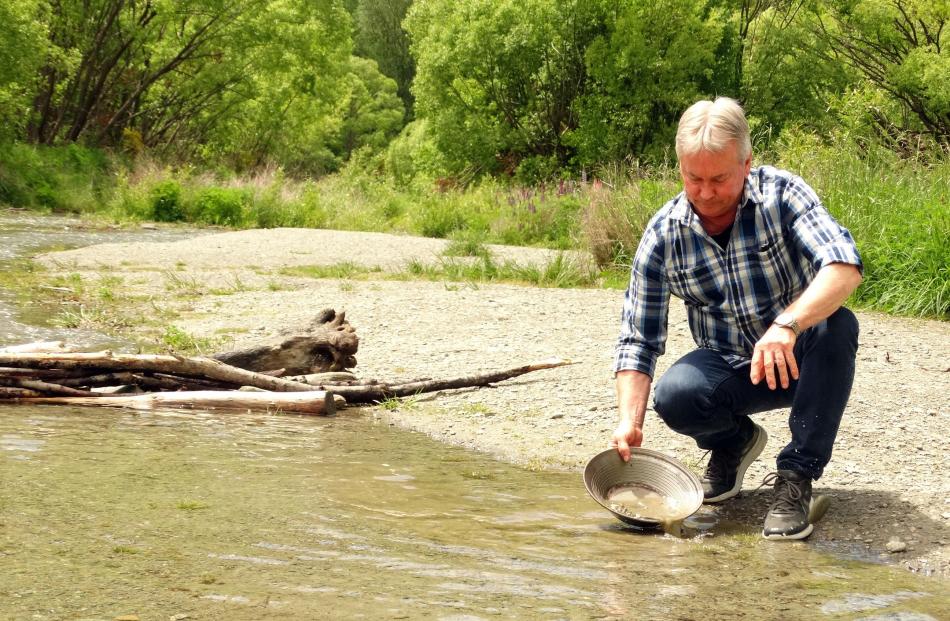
(703, 397)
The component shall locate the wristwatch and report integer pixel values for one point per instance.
(787, 320)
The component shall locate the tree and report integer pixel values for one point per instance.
(901, 47)
(657, 59)
(196, 77)
(379, 35)
(22, 45)
(496, 79)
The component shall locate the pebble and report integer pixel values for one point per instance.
(895, 545)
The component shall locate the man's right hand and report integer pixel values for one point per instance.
(626, 434)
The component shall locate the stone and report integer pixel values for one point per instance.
(895, 545)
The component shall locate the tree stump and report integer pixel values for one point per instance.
(329, 343)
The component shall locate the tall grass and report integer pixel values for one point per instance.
(898, 212)
(897, 209)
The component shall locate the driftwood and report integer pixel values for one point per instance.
(375, 392)
(175, 365)
(312, 402)
(329, 343)
(299, 371)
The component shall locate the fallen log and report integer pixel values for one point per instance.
(173, 365)
(317, 402)
(329, 343)
(372, 393)
(43, 387)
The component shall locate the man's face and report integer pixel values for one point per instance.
(714, 181)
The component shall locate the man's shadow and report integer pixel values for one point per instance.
(858, 524)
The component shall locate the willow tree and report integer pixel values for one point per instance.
(496, 79)
(902, 48)
(182, 75)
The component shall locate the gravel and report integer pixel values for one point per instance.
(886, 479)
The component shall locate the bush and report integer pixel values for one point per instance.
(224, 206)
(166, 202)
(71, 179)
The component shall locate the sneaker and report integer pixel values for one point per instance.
(788, 516)
(726, 469)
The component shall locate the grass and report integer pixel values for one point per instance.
(896, 209)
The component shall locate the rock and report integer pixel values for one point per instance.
(895, 545)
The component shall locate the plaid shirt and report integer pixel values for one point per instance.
(781, 237)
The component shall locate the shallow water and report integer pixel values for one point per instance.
(240, 516)
(25, 234)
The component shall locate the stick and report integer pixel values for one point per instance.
(175, 365)
(309, 402)
(44, 387)
(14, 393)
(380, 392)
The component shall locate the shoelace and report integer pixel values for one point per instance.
(787, 496)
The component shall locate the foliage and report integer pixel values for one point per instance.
(496, 79)
(71, 179)
(899, 47)
(220, 206)
(653, 62)
(897, 212)
(381, 37)
(22, 45)
(372, 111)
(166, 202)
(209, 78)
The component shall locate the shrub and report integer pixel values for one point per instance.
(166, 202)
(223, 206)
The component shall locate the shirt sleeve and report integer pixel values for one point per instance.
(643, 324)
(821, 239)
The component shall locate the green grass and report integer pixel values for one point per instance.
(898, 210)
(558, 272)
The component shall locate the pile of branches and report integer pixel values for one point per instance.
(50, 373)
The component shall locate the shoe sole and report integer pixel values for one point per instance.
(793, 537)
(761, 439)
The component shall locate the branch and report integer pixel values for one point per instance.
(201, 367)
(380, 392)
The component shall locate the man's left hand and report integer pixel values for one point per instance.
(774, 355)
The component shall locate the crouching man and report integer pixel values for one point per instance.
(763, 270)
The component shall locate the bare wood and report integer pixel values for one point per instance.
(38, 373)
(310, 402)
(382, 391)
(328, 343)
(7, 392)
(43, 387)
(174, 365)
(330, 377)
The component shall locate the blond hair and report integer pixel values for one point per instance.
(711, 126)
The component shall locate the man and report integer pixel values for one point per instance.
(763, 270)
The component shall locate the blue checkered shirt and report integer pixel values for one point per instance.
(781, 237)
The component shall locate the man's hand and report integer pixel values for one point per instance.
(626, 434)
(774, 352)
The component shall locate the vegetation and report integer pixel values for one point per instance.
(538, 122)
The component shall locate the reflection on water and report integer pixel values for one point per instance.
(216, 516)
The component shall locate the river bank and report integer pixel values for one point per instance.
(887, 478)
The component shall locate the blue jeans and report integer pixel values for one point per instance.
(703, 397)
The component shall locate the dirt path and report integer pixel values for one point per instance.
(888, 477)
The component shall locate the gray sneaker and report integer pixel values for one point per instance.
(726, 469)
(788, 516)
